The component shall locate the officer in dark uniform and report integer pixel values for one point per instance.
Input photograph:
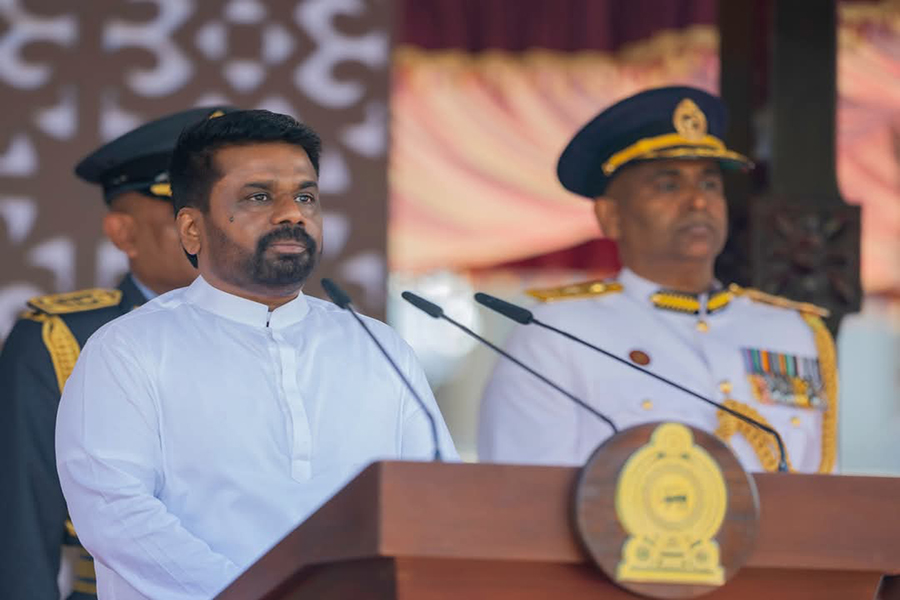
(42, 348)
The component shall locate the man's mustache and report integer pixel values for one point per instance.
(703, 218)
(292, 234)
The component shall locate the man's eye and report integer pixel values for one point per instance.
(667, 186)
(711, 185)
(306, 198)
(260, 197)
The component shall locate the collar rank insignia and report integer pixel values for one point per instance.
(690, 303)
(784, 379)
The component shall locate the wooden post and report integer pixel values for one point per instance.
(802, 239)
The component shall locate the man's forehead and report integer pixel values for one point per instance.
(272, 160)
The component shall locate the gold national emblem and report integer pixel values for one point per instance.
(689, 120)
(671, 500)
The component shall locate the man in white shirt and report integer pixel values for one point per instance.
(652, 164)
(198, 430)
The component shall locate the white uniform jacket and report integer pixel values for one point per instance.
(767, 357)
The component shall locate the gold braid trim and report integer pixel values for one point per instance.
(576, 291)
(828, 367)
(678, 302)
(85, 576)
(759, 296)
(62, 346)
(64, 351)
(763, 444)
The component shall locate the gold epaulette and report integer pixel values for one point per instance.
(575, 291)
(758, 296)
(57, 337)
(73, 302)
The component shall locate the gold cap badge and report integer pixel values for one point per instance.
(689, 120)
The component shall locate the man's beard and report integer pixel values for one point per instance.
(257, 269)
(284, 269)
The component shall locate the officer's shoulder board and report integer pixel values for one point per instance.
(576, 291)
(75, 302)
(61, 344)
(759, 296)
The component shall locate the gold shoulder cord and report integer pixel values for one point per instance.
(764, 444)
(64, 351)
(828, 365)
(62, 346)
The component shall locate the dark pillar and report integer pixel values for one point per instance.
(803, 240)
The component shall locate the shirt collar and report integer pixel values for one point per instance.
(242, 310)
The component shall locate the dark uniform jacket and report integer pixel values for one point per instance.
(37, 357)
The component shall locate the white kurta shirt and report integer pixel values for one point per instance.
(198, 430)
(523, 421)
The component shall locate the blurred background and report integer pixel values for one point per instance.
(442, 122)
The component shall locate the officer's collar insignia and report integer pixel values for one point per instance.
(758, 296)
(73, 302)
(689, 121)
(587, 289)
(690, 303)
(784, 379)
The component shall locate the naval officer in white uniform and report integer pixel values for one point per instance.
(653, 166)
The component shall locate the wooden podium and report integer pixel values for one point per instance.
(486, 531)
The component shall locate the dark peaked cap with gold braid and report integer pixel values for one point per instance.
(669, 122)
(139, 159)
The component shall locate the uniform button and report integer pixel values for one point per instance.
(795, 421)
(725, 387)
(647, 404)
(702, 326)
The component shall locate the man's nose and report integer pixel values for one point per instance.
(287, 211)
(698, 199)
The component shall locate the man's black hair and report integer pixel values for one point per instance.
(192, 170)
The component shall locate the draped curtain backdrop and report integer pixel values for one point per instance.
(485, 94)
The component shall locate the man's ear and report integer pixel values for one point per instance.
(121, 229)
(188, 223)
(606, 210)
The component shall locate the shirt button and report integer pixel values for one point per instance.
(795, 421)
(647, 404)
(725, 387)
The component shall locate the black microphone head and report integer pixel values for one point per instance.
(337, 295)
(424, 305)
(507, 309)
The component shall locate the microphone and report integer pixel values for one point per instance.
(437, 312)
(526, 317)
(342, 300)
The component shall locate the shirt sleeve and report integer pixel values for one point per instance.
(523, 420)
(32, 509)
(109, 459)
